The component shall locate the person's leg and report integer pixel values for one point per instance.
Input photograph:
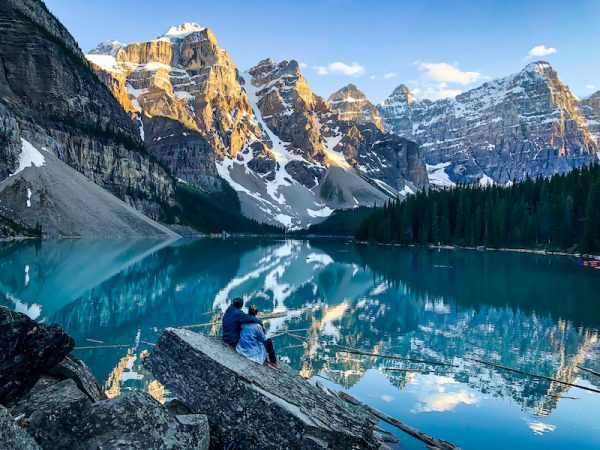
(270, 351)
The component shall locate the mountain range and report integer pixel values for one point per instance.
(291, 157)
(137, 121)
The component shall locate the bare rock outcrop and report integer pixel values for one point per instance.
(63, 417)
(12, 436)
(57, 401)
(254, 406)
(27, 350)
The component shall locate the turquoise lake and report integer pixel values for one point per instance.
(536, 313)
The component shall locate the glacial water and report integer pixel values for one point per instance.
(536, 313)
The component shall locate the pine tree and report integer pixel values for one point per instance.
(592, 221)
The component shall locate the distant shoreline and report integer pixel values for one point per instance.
(346, 238)
(483, 248)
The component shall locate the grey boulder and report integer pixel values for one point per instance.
(254, 406)
(76, 370)
(61, 416)
(27, 350)
(12, 436)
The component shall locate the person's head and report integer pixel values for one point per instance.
(253, 310)
(238, 302)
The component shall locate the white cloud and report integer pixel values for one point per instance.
(448, 93)
(434, 91)
(444, 401)
(446, 73)
(541, 50)
(385, 76)
(591, 87)
(352, 69)
(441, 393)
(540, 428)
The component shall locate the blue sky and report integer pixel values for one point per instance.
(437, 48)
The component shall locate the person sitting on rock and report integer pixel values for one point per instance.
(233, 319)
(253, 342)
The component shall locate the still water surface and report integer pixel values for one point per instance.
(536, 313)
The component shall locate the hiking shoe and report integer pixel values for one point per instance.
(272, 365)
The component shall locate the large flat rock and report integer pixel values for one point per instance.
(254, 406)
(27, 350)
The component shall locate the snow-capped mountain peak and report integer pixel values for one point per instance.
(107, 48)
(350, 104)
(401, 95)
(541, 67)
(181, 31)
(525, 124)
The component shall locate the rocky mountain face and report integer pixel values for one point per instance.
(183, 90)
(351, 105)
(281, 147)
(590, 107)
(526, 124)
(52, 100)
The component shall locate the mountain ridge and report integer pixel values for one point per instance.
(525, 124)
(51, 98)
(265, 133)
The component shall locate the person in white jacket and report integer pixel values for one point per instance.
(253, 343)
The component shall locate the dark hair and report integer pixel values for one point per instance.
(238, 302)
(253, 310)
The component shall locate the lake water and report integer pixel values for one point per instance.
(536, 313)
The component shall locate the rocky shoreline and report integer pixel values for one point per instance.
(51, 400)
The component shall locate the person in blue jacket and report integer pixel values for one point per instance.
(253, 343)
(233, 319)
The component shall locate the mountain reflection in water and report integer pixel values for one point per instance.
(536, 313)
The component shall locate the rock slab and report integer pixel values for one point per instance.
(254, 406)
(27, 350)
(63, 417)
(12, 436)
(76, 370)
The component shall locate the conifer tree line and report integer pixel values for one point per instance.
(561, 212)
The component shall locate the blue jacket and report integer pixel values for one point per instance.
(232, 324)
(251, 343)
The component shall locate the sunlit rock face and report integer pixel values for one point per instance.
(350, 104)
(590, 107)
(263, 131)
(526, 124)
(183, 75)
(52, 99)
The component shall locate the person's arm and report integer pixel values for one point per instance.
(260, 335)
(247, 318)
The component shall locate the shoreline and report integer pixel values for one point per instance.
(483, 249)
(332, 237)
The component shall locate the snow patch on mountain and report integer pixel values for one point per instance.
(179, 32)
(29, 156)
(438, 176)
